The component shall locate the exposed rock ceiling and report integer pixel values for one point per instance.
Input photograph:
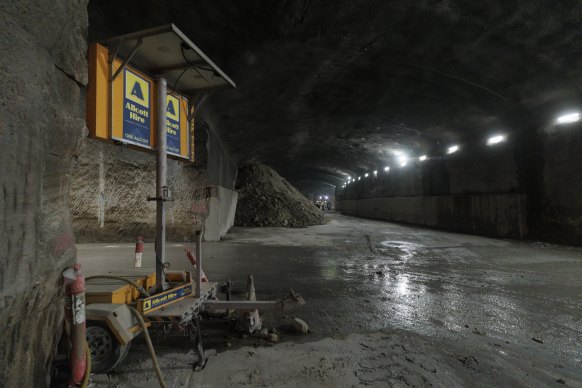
(327, 88)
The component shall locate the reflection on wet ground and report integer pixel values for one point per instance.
(362, 276)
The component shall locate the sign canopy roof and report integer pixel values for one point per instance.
(166, 51)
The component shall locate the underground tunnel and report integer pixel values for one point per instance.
(291, 193)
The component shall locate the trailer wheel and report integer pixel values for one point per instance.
(106, 351)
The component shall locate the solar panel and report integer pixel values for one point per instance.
(166, 51)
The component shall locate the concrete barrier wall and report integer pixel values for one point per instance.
(499, 215)
(222, 209)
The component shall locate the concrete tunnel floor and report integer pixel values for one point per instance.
(387, 304)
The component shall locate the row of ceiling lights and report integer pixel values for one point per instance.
(403, 159)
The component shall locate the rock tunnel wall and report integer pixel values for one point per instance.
(110, 187)
(44, 73)
(111, 183)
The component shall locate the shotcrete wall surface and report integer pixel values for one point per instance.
(559, 216)
(110, 187)
(502, 215)
(542, 166)
(474, 191)
(43, 45)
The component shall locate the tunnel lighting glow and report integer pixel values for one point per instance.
(359, 177)
(495, 140)
(325, 197)
(452, 149)
(569, 118)
(422, 158)
(366, 175)
(320, 197)
(375, 172)
(387, 168)
(403, 164)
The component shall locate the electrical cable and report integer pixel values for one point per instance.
(192, 63)
(139, 288)
(176, 82)
(192, 66)
(150, 346)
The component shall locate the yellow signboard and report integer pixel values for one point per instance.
(124, 110)
(137, 127)
(175, 116)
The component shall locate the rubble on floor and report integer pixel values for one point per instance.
(267, 199)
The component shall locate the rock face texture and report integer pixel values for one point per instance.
(43, 46)
(267, 199)
(110, 186)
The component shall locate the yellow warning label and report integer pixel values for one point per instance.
(137, 89)
(173, 108)
(147, 304)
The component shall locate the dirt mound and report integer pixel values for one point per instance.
(267, 199)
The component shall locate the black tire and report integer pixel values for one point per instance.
(106, 351)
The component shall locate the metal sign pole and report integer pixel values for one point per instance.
(161, 184)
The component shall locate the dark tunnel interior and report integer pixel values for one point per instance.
(328, 91)
(411, 170)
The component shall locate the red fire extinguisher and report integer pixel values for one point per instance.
(75, 317)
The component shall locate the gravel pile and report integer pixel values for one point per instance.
(267, 199)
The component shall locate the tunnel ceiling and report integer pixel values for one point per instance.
(327, 88)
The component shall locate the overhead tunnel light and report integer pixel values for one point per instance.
(495, 140)
(359, 177)
(569, 118)
(422, 158)
(387, 168)
(452, 149)
(366, 175)
(375, 172)
(402, 159)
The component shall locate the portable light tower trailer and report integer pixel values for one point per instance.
(125, 74)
